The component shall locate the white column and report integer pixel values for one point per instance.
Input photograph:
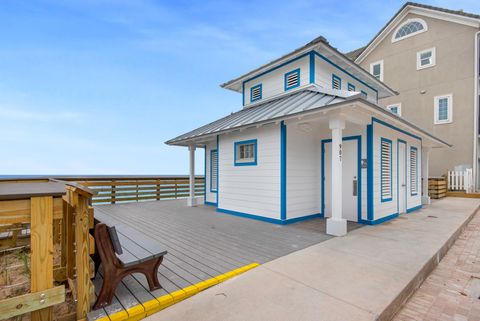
(191, 197)
(336, 225)
(425, 197)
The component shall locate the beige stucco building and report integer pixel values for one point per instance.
(429, 55)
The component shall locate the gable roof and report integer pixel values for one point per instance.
(321, 46)
(302, 102)
(469, 18)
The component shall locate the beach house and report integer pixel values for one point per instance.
(312, 141)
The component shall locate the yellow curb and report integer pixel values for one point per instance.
(136, 313)
(145, 309)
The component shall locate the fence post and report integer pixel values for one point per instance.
(41, 237)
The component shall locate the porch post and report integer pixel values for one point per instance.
(425, 156)
(191, 196)
(336, 225)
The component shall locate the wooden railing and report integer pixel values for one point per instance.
(123, 189)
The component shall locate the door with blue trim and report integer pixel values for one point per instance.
(349, 179)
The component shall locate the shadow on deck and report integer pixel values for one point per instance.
(201, 244)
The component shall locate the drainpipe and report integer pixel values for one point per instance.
(475, 112)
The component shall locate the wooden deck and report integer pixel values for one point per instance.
(201, 244)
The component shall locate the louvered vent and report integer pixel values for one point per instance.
(413, 171)
(336, 82)
(292, 79)
(256, 93)
(386, 169)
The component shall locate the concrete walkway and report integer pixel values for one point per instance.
(366, 275)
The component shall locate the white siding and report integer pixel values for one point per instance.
(273, 82)
(253, 189)
(303, 173)
(383, 209)
(323, 77)
(209, 196)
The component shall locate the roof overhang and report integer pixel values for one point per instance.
(323, 48)
(353, 108)
(422, 10)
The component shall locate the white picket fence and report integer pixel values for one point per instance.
(460, 180)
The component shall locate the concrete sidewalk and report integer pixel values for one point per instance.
(366, 275)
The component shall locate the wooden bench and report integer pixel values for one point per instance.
(123, 251)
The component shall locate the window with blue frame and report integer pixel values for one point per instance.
(351, 87)
(245, 153)
(213, 170)
(292, 79)
(256, 93)
(336, 82)
(364, 94)
(386, 169)
(413, 170)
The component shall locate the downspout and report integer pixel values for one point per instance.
(475, 112)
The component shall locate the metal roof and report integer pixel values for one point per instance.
(298, 101)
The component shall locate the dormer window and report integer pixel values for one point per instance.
(409, 28)
(256, 93)
(292, 79)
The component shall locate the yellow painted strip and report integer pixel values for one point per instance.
(145, 309)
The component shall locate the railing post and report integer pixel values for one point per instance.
(158, 189)
(41, 238)
(114, 192)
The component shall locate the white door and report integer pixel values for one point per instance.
(402, 177)
(349, 179)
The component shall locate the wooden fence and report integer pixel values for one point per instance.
(59, 217)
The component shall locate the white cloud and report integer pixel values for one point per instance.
(10, 113)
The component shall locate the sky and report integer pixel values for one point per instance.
(97, 86)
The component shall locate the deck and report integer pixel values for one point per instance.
(201, 244)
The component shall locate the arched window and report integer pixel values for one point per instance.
(409, 28)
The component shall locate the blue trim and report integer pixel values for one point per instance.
(370, 205)
(218, 167)
(252, 89)
(340, 68)
(295, 71)
(387, 199)
(335, 77)
(364, 93)
(416, 171)
(312, 67)
(243, 93)
(210, 203)
(283, 171)
(376, 120)
(359, 173)
(401, 141)
(205, 177)
(268, 219)
(277, 67)
(350, 87)
(380, 220)
(211, 176)
(244, 142)
(409, 210)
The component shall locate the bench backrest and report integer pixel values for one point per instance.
(117, 247)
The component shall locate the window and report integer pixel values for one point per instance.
(364, 94)
(426, 58)
(395, 109)
(376, 69)
(413, 171)
(246, 153)
(443, 112)
(213, 170)
(256, 93)
(351, 87)
(409, 28)
(292, 79)
(386, 169)
(336, 82)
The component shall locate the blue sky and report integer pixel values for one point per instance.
(96, 87)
